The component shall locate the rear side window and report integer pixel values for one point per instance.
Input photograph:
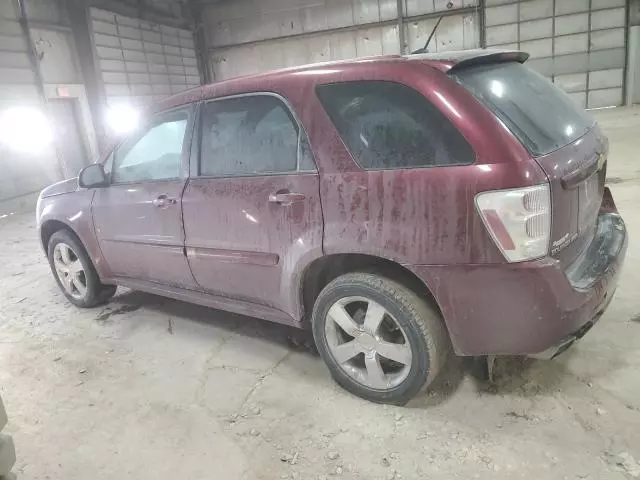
(251, 135)
(387, 125)
(539, 114)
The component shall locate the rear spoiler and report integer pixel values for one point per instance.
(491, 56)
(457, 60)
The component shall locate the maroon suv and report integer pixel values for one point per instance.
(394, 205)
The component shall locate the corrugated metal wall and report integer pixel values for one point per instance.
(580, 44)
(21, 174)
(248, 36)
(141, 61)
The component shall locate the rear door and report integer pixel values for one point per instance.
(564, 140)
(252, 213)
(138, 216)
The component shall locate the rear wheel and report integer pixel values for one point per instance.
(380, 340)
(74, 271)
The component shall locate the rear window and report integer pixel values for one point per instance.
(540, 115)
(387, 125)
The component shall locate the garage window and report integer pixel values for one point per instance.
(387, 125)
(251, 135)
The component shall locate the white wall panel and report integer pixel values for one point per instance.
(58, 57)
(142, 61)
(455, 32)
(604, 98)
(565, 40)
(247, 59)
(564, 7)
(24, 174)
(249, 36)
(254, 20)
(606, 78)
(420, 7)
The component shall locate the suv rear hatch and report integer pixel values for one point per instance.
(565, 141)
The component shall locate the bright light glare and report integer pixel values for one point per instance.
(25, 129)
(317, 71)
(569, 130)
(122, 118)
(497, 88)
(448, 104)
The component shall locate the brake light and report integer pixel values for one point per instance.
(519, 220)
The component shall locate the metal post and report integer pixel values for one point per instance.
(482, 5)
(633, 67)
(34, 59)
(33, 54)
(400, 8)
(199, 41)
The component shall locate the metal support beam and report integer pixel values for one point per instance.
(400, 8)
(34, 59)
(199, 41)
(136, 9)
(79, 17)
(482, 19)
(633, 64)
(351, 28)
(33, 54)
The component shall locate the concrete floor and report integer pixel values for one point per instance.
(150, 388)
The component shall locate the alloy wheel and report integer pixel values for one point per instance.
(70, 271)
(368, 343)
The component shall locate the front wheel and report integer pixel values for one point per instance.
(74, 271)
(380, 340)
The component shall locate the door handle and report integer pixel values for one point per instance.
(285, 198)
(162, 201)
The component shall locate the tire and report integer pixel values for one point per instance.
(94, 292)
(420, 327)
(7, 448)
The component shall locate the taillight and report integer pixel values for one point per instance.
(519, 220)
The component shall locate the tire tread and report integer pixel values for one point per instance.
(98, 293)
(426, 318)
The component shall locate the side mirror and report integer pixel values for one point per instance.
(93, 176)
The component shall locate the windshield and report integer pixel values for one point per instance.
(542, 116)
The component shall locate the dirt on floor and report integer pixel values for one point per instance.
(151, 388)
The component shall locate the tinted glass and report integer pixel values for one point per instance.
(389, 125)
(249, 135)
(542, 116)
(156, 155)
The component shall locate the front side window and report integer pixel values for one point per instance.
(250, 135)
(155, 154)
(387, 125)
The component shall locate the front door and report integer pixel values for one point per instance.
(252, 213)
(138, 218)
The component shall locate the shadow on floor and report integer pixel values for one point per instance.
(129, 301)
(512, 375)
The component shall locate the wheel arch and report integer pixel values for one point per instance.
(51, 226)
(323, 270)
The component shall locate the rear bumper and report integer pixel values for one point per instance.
(531, 308)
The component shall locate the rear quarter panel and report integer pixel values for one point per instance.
(414, 216)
